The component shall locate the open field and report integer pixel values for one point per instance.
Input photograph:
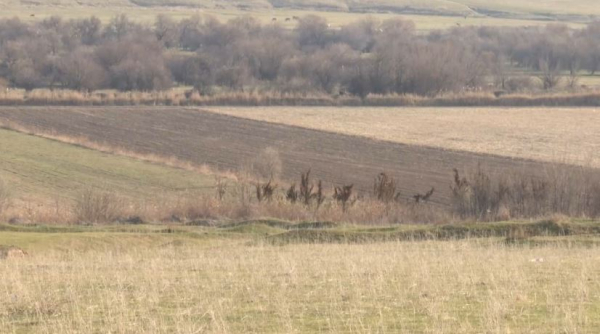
(336, 19)
(233, 280)
(428, 15)
(227, 143)
(549, 134)
(43, 167)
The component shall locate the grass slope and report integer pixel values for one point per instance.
(444, 7)
(34, 166)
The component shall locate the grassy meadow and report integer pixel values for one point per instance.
(44, 176)
(233, 279)
(35, 165)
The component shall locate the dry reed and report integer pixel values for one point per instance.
(46, 97)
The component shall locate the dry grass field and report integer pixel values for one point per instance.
(153, 216)
(130, 281)
(428, 15)
(227, 143)
(549, 134)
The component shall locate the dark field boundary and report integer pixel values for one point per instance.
(226, 143)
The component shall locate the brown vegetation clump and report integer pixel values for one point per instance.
(220, 187)
(306, 188)
(264, 192)
(292, 194)
(342, 195)
(424, 197)
(385, 188)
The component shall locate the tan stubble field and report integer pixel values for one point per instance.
(568, 135)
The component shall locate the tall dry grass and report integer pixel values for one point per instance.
(60, 97)
(481, 195)
(6, 196)
(145, 284)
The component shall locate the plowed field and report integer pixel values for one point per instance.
(226, 142)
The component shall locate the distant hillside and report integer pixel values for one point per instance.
(572, 10)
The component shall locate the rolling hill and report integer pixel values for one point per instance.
(578, 10)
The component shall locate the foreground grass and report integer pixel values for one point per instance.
(232, 280)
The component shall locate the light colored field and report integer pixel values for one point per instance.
(548, 134)
(147, 15)
(42, 168)
(169, 283)
(456, 7)
(432, 14)
(533, 7)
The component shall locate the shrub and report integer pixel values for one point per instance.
(342, 195)
(265, 191)
(384, 188)
(93, 206)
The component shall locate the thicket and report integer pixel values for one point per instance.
(362, 58)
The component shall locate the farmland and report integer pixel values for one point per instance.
(232, 279)
(226, 143)
(46, 176)
(148, 183)
(38, 166)
(548, 134)
(428, 15)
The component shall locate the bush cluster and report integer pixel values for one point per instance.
(361, 58)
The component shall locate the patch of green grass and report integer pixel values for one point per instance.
(279, 232)
(512, 231)
(34, 166)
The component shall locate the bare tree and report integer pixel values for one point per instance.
(550, 73)
(80, 71)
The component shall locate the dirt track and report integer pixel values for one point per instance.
(225, 142)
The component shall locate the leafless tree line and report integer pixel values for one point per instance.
(361, 58)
